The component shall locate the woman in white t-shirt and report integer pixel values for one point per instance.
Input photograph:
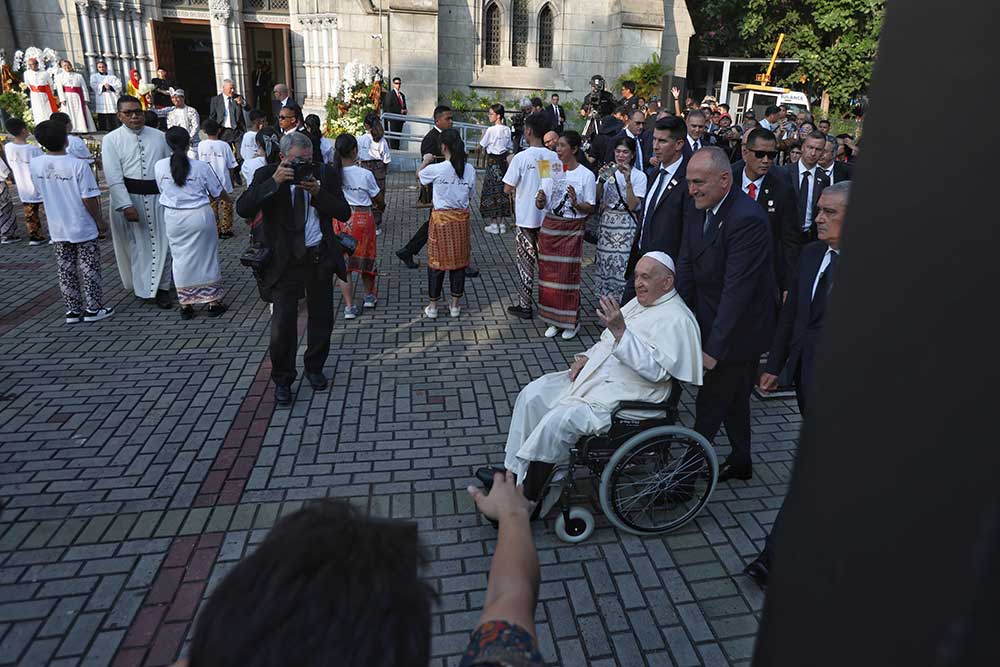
(359, 187)
(567, 199)
(620, 189)
(373, 155)
(187, 189)
(494, 203)
(448, 246)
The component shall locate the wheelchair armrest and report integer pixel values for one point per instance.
(668, 410)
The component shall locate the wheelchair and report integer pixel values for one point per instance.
(654, 476)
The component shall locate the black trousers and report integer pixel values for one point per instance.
(107, 122)
(395, 126)
(724, 399)
(435, 282)
(316, 281)
(418, 240)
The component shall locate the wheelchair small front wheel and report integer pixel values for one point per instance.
(658, 480)
(579, 527)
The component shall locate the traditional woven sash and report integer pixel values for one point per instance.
(448, 239)
(560, 247)
(362, 227)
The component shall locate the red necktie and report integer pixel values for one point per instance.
(752, 191)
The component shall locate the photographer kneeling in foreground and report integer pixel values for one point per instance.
(328, 586)
(299, 252)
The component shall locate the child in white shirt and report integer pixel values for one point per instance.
(219, 155)
(19, 156)
(72, 202)
(359, 188)
(374, 155)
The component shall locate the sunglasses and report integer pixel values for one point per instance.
(286, 117)
(762, 154)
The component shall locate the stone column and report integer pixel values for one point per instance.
(106, 53)
(124, 48)
(140, 42)
(221, 11)
(320, 67)
(89, 52)
(306, 53)
(335, 62)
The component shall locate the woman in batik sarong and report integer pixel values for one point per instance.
(373, 152)
(620, 189)
(567, 199)
(359, 188)
(448, 247)
(187, 189)
(494, 203)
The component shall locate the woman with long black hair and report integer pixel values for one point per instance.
(620, 190)
(448, 246)
(187, 189)
(494, 203)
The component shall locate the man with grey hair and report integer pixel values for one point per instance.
(836, 172)
(297, 203)
(282, 100)
(796, 340)
(228, 109)
(726, 276)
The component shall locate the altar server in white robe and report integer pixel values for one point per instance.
(74, 94)
(652, 338)
(129, 155)
(41, 91)
(106, 88)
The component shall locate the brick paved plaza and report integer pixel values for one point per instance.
(141, 457)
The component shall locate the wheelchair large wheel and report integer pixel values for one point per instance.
(658, 480)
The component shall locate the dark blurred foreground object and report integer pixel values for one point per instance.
(890, 520)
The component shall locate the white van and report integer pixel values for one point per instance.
(759, 98)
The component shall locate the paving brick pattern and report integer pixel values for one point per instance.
(142, 457)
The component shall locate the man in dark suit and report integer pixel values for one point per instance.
(305, 255)
(796, 339)
(228, 109)
(261, 79)
(726, 276)
(807, 181)
(431, 144)
(634, 127)
(395, 102)
(557, 113)
(697, 123)
(662, 222)
(754, 176)
(282, 100)
(836, 172)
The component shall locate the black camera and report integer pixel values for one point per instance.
(304, 169)
(256, 257)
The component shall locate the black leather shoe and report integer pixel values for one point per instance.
(729, 471)
(162, 299)
(524, 312)
(282, 394)
(317, 380)
(758, 570)
(407, 258)
(187, 312)
(471, 272)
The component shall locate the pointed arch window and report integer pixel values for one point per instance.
(545, 37)
(519, 33)
(491, 35)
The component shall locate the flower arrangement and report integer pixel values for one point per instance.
(15, 104)
(346, 112)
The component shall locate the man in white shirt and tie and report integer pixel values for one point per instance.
(558, 114)
(395, 102)
(633, 130)
(808, 182)
(836, 172)
(697, 123)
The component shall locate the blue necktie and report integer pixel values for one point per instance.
(709, 218)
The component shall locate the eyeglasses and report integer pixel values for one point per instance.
(131, 112)
(763, 154)
(280, 117)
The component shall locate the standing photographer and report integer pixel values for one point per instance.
(299, 254)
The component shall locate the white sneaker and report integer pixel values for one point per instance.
(431, 312)
(569, 334)
(455, 310)
(503, 228)
(492, 229)
(98, 315)
(551, 332)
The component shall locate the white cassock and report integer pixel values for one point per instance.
(74, 95)
(42, 94)
(105, 101)
(140, 247)
(552, 413)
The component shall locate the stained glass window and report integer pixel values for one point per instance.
(491, 36)
(545, 37)
(519, 33)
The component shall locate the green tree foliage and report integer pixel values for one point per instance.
(647, 77)
(834, 40)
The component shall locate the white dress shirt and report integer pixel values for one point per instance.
(639, 157)
(669, 170)
(692, 141)
(747, 182)
(822, 269)
(809, 198)
(227, 121)
(313, 233)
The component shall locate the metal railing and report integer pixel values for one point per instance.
(470, 132)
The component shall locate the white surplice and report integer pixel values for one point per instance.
(105, 101)
(140, 247)
(552, 413)
(41, 108)
(74, 93)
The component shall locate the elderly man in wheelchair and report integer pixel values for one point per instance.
(610, 413)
